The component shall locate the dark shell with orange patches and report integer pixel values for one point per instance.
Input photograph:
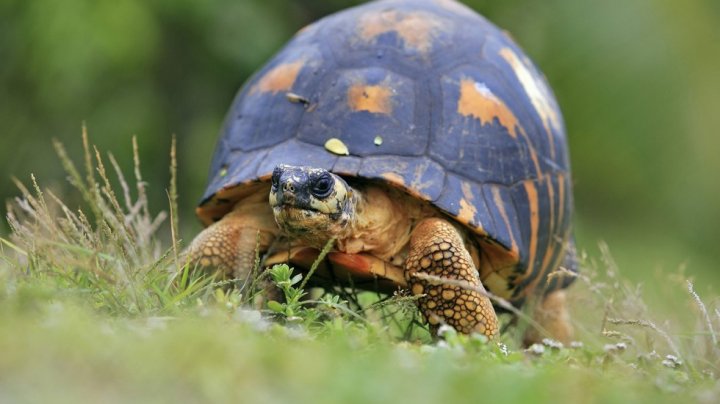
(467, 123)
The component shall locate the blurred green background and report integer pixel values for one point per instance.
(638, 82)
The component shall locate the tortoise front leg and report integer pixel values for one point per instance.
(229, 245)
(437, 249)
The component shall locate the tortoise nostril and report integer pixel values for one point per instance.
(288, 187)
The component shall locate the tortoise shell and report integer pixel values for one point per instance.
(428, 96)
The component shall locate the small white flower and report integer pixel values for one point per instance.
(576, 345)
(551, 343)
(672, 361)
(608, 348)
(615, 348)
(444, 330)
(536, 349)
(503, 348)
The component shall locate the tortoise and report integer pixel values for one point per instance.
(422, 141)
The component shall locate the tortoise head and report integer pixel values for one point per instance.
(311, 204)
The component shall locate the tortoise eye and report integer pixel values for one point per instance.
(322, 187)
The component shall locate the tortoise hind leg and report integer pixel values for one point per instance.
(552, 313)
(437, 249)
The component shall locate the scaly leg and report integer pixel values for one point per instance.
(436, 248)
(229, 245)
(552, 315)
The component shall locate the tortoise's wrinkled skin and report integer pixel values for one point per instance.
(468, 129)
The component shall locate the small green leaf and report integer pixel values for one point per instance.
(280, 272)
(275, 306)
(219, 295)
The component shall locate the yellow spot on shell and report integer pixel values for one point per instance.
(336, 146)
(279, 79)
(378, 140)
(477, 101)
(374, 99)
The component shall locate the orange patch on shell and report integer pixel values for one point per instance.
(551, 246)
(467, 209)
(279, 79)
(417, 29)
(374, 99)
(497, 199)
(477, 101)
(534, 223)
(537, 92)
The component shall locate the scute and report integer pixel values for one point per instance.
(360, 104)
(261, 118)
(468, 123)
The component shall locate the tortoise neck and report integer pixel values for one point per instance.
(347, 219)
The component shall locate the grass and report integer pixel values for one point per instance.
(95, 307)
